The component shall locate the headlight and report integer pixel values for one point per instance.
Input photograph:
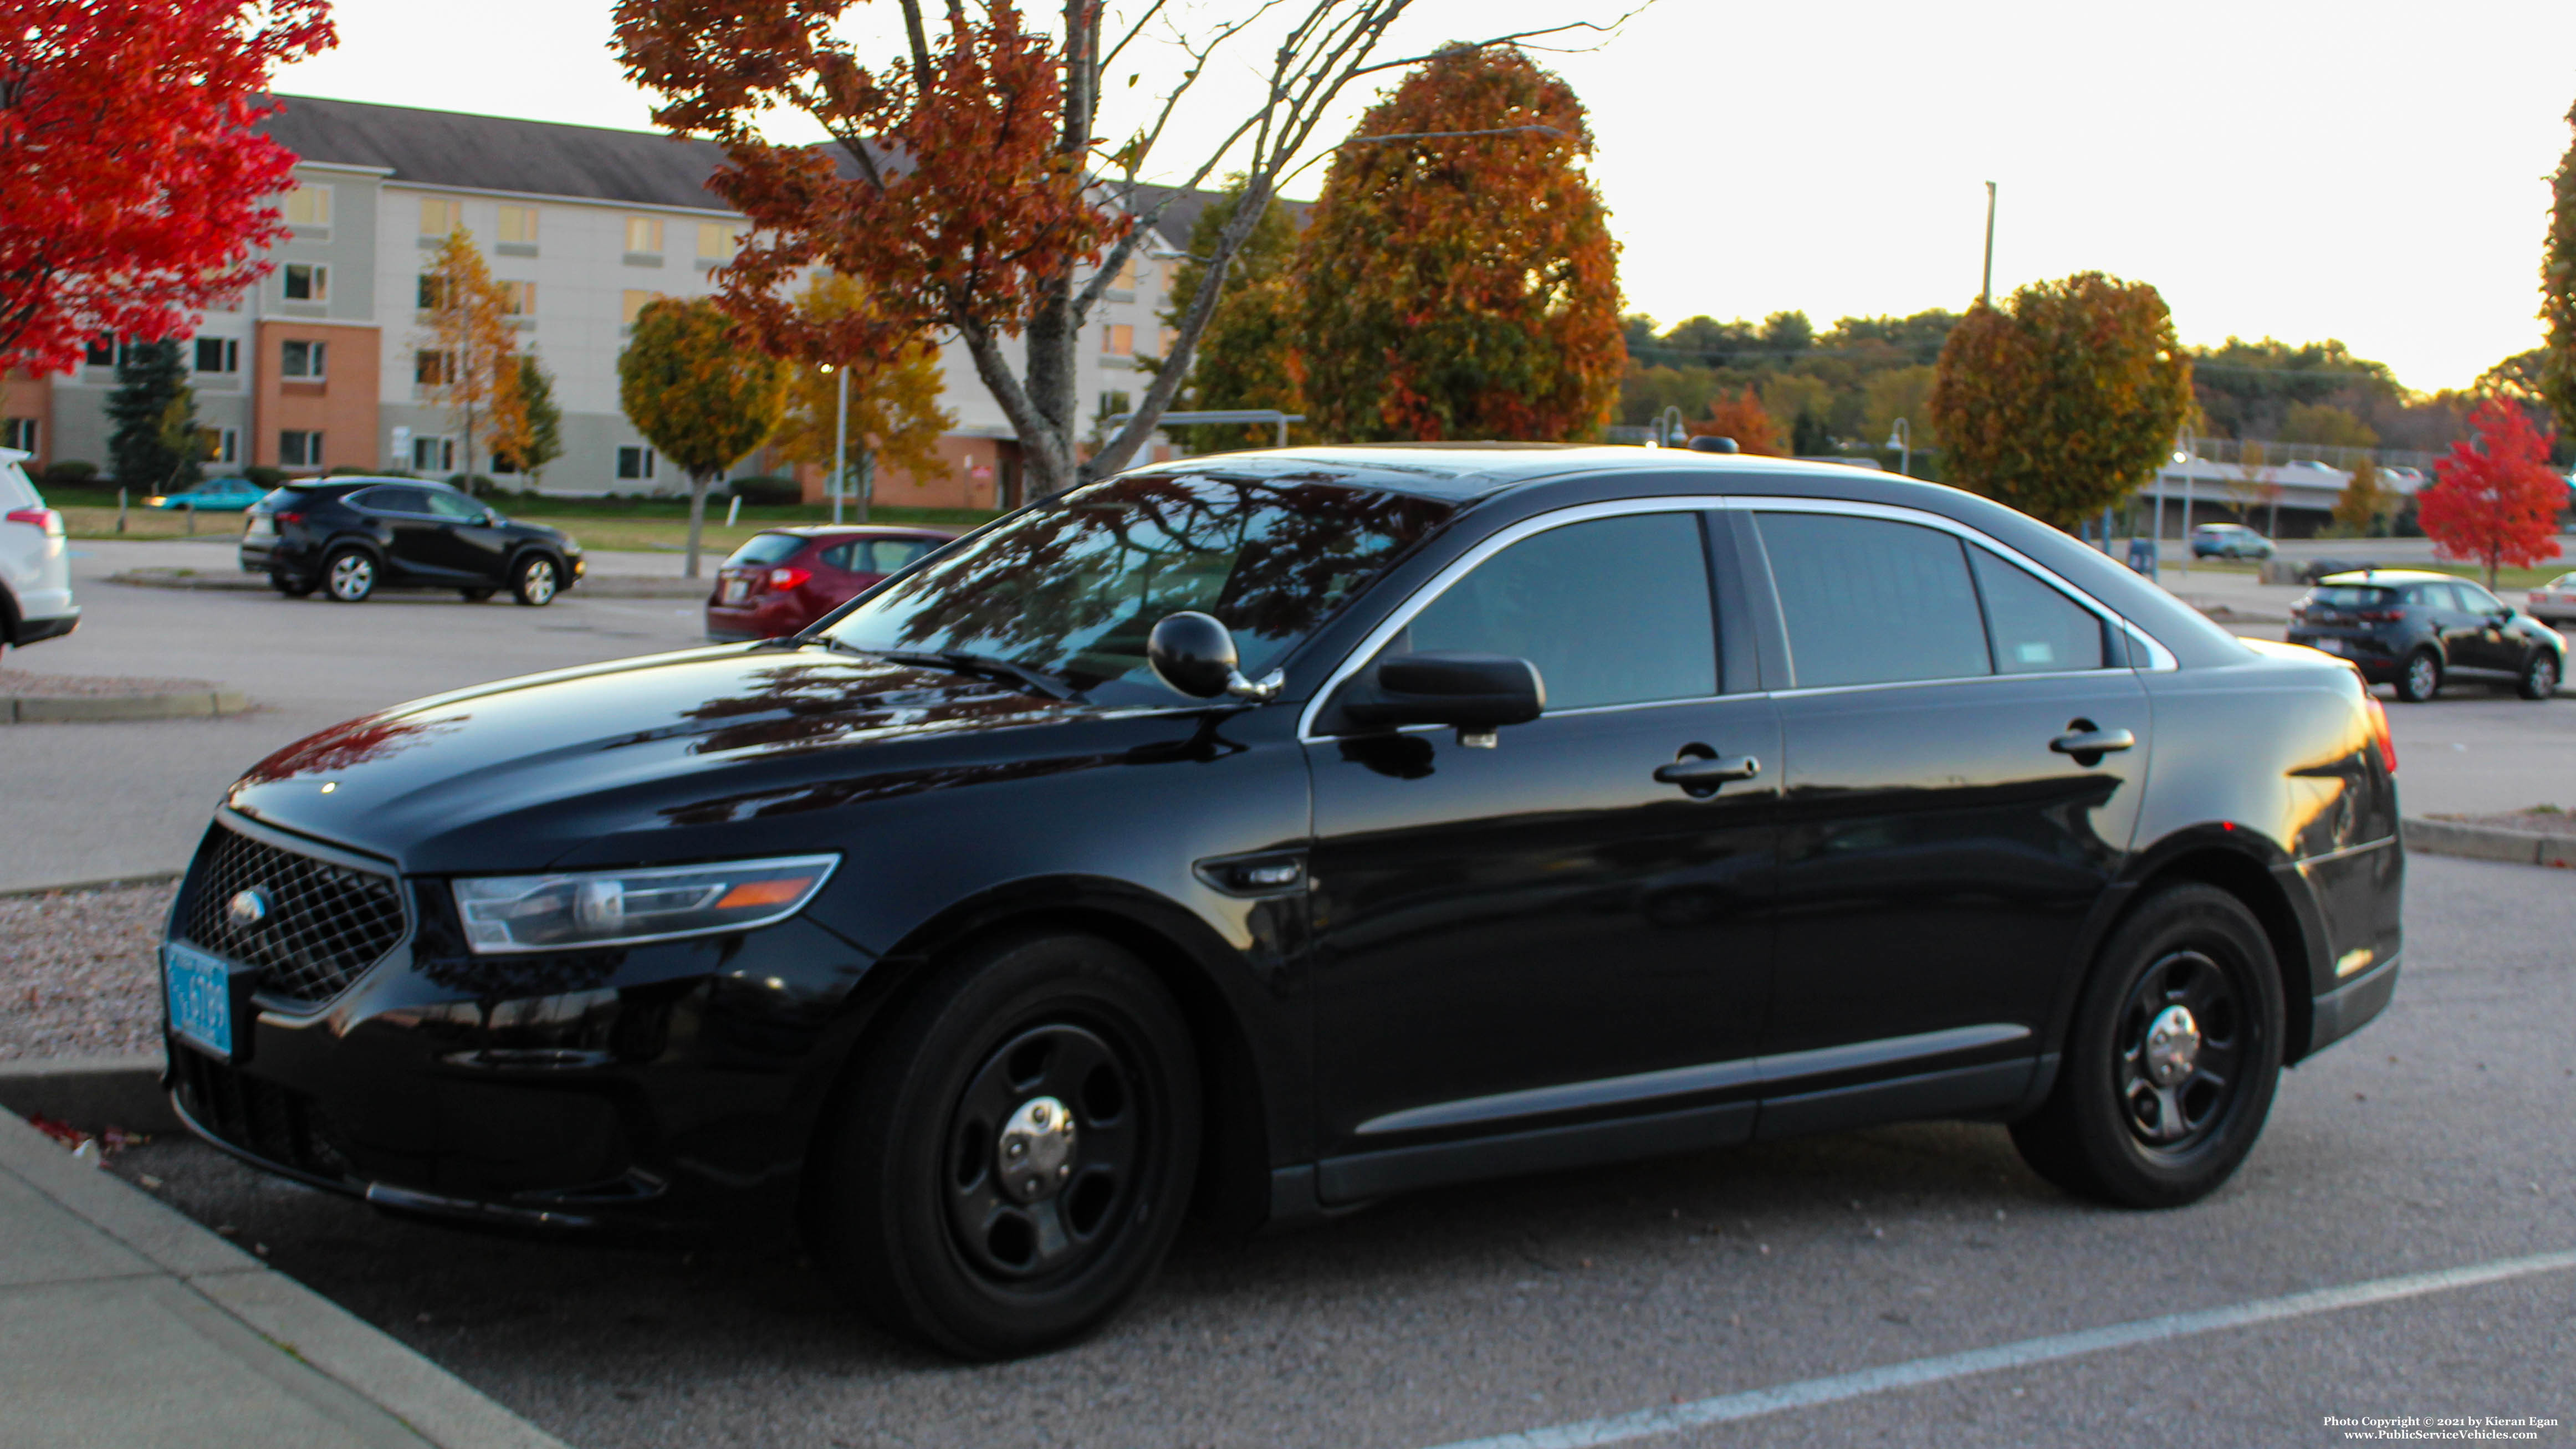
(622, 907)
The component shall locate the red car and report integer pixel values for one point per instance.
(783, 579)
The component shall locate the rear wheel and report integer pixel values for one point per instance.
(350, 575)
(2421, 678)
(2170, 1066)
(2539, 675)
(534, 581)
(1013, 1160)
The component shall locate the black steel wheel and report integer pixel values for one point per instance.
(2420, 678)
(2171, 1062)
(349, 573)
(1013, 1156)
(2539, 675)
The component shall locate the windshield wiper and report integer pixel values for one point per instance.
(960, 662)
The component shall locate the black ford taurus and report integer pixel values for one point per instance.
(1269, 833)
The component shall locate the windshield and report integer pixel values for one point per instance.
(1072, 588)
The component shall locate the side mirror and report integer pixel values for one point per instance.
(1474, 692)
(1193, 654)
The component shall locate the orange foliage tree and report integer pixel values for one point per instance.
(1744, 419)
(1458, 278)
(2494, 500)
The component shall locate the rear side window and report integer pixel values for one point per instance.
(1869, 601)
(2034, 629)
(765, 548)
(15, 490)
(2350, 597)
(887, 555)
(1613, 611)
(392, 500)
(2431, 596)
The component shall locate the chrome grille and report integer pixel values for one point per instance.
(325, 923)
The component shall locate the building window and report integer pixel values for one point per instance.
(635, 301)
(301, 360)
(635, 462)
(644, 234)
(102, 352)
(518, 299)
(1118, 339)
(433, 455)
(299, 449)
(519, 224)
(1131, 277)
(307, 282)
(19, 433)
(308, 205)
(429, 368)
(717, 241)
(218, 354)
(433, 292)
(439, 215)
(223, 445)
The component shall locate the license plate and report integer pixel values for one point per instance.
(200, 989)
(736, 590)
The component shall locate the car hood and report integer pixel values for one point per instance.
(674, 755)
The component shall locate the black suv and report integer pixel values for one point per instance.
(2414, 629)
(1272, 832)
(347, 536)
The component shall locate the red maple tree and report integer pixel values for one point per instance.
(136, 177)
(2494, 500)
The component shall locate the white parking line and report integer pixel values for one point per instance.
(1753, 1403)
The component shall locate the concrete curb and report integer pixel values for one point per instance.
(2489, 842)
(97, 708)
(601, 586)
(92, 1093)
(244, 1313)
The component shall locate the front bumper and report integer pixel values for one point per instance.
(50, 626)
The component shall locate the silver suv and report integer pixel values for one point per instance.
(35, 566)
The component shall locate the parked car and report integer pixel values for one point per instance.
(348, 536)
(2228, 540)
(215, 495)
(2415, 629)
(1275, 832)
(783, 579)
(2555, 601)
(35, 566)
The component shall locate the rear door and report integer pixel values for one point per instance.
(1940, 845)
(413, 536)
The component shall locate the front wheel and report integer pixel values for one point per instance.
(2421, 679)
(2172, 1059)
(350, 575)
(1013, 1159)
(2539, 676)
(534, 581)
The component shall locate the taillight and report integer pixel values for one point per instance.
(783, 579)
(2379, 731)
(287, 517)
(44, 518)
(2380, 616)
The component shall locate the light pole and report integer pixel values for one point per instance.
(1901, 438)
(1986, 292)
(1669, 425)
(2184, 458)
(840, 436)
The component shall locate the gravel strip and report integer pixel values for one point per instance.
(78, 973)
(2538, 822)
(92, 686)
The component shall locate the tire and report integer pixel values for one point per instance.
(349, 574)
(293, 587)
(2421, 677)
(912, 1212)
(2540, 675)
(534, 580)
(2141, 1116)
(475, 596)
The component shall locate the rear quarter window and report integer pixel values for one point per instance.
(15, 490)
(765, 548)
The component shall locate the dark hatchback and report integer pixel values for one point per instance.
(2416, 629)
(350, 536)
(1266, 834)
(783, 579)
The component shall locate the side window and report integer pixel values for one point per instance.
(891, 554)
(2434, 596)
(2475, 598)
(2034, 628)
(392, 500)
(838, 557)
(1868, 601)
(1614, 611)
(449, 505)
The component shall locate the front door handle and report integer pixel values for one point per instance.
(2096, 743)
(1708, 772)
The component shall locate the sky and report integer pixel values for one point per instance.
(2371, 172)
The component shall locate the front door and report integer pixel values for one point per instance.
(1539, 934)
(1943, 834)
(467, 543)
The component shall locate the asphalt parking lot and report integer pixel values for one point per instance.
(2435, 1140)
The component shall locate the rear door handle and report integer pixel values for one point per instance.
(2093, 742)
(1706, 771)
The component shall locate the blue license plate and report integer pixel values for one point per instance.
(201, 996)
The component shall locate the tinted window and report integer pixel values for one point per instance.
(2034, 629)
(1615, 611)
(837, 557)
(2475, 598)
(765, 548)
(2349, 597)
(886, 555)
(2432, 596)
(391, 500)
(1866, 601)
(453, 505)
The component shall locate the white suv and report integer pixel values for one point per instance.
(35, 567)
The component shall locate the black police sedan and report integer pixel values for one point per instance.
(2415, 629)
(1269, 833)
(347, 536)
